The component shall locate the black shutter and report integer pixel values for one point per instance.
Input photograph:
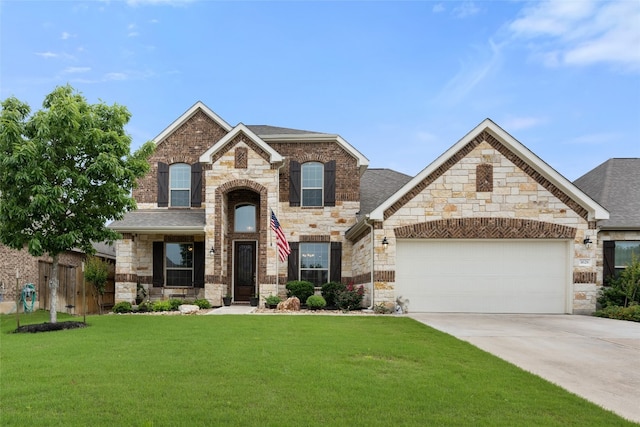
(163, 185)
(335, 275)
(330, 183)
(198, 264)
(294, 183)
(293, 272)
(158, 263)
(196, 185)
(609, 256)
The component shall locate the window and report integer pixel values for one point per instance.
(179, 264)
(312, 180)
(314, 263)
(624, 253)
(245, 219)
(180, 185)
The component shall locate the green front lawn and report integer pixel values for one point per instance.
(268, 370)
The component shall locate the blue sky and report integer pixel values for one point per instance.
(401, 81)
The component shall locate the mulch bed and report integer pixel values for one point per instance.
(48, 327)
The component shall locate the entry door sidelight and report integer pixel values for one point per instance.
(244, 270)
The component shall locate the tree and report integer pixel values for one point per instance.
(65, 172)
(96, 272)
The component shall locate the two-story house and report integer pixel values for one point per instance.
(486, 227)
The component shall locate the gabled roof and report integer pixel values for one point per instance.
(274, 156)
(615, 184)
(151, 221)
(593, 209)
(186, 116)
(276, 134)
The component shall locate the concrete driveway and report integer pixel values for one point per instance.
(598, 359)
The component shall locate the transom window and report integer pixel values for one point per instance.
(314, 263)
(312, 184)
(245, 219)
(180, 185)
(179, 264)
(625, 251)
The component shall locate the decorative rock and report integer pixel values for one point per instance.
(188, 309)
(290, 304)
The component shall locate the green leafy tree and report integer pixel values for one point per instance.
(65, 172)
(96, 272)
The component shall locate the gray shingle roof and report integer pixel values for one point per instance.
(615, 184)
(377, 185)
(149, 220)
(264, 130)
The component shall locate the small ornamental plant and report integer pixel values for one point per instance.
(122, 307)
(316, 302)
(202, 303)
(350, 298)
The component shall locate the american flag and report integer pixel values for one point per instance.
(281, 240)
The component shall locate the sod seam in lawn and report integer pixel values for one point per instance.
(269, 370)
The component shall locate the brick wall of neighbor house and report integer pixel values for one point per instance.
(185, 145)
(451, 194)
(27, 266)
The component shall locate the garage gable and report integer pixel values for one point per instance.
(490, 135)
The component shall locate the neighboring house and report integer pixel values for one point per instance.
(615, 184)
(486, 227)
(37, 271)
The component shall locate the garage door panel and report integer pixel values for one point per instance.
(493, 276)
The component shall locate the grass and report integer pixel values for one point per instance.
(268, 371)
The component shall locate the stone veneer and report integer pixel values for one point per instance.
(522, 204)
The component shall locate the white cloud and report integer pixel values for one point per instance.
(437, 8)
(595, 138)
(158, 2)
(465, 9)
(76, 70)
(54, 55)
(116, 76)
(582, 33)
(66, 36)
(470, 76)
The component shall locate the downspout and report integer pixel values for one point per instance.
(372, 260)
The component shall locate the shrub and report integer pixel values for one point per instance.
(316, 302)
(382, 308)
(299, 288)
(122, 307)
(145, 307)
(202, 303)
(631, 313)
(174, 303)
(624, 289)
(162, 306)
(350, 298)
(272, 300)
(331, 290)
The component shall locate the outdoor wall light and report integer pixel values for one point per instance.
(587, 242)
(385, 242)
(212, 251)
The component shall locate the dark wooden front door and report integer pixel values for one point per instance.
(244, 270)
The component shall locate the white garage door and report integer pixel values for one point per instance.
(483, 276)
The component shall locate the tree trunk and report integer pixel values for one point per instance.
(53, 291)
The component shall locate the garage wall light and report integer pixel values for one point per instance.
(212, 251)
(587, 242)
(385, 242)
